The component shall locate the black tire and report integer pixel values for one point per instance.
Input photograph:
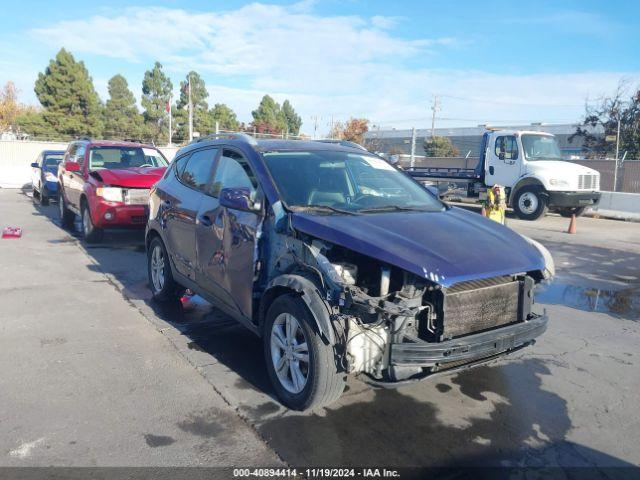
(567, 212)
(169, 290)
(530, 202)
(325, 381)
(44, 200)
(67, 217)
(92, 234)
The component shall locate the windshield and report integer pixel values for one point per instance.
(125, 157)
(51, 161)
(346, 183)
(540, 147)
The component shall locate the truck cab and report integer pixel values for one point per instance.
(529, 164)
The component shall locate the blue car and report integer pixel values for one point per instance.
(44, 177)
(341, 263)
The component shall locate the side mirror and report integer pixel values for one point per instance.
(238, 199)
(501, 156)
(35, 165)
(72, 166)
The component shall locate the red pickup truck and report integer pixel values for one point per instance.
(107, 184)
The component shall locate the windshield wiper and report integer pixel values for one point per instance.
(391, 208)
(322, 208)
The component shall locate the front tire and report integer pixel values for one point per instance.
(530, 203)
(92, 234)
(161, 282)
(301, 366)
(67, 217)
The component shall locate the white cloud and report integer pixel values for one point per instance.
(327, 65)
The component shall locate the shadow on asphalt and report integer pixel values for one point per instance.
(513, 420)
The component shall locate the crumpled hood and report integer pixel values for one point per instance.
(445, 247)
(131, 177)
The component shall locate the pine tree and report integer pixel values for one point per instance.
(156, 94)
(202, 122)
(225, 117)
(65, 90)
(439, 147)
(268, 118)
(121, 117)
(291, 118)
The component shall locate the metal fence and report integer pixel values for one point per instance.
(627, 178)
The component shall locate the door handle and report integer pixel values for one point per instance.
(205, 220)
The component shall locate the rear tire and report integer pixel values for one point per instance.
(92, 234)
(290, 336)
(530, 203)
(44, 200)
(161, 282)
(67, 217)
(567, 212)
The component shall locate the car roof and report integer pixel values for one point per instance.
(53, 152)
(114, 143)
(275, 145)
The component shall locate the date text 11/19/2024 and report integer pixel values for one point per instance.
(316, 472)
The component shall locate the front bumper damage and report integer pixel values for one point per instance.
(470, 348)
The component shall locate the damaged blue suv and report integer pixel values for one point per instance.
(342, 263)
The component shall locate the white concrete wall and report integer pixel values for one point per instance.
(17, 156)
(625, 206)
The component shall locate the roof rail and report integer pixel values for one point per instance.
(344, 143)
(231, 136)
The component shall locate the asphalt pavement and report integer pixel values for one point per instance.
(95, 373)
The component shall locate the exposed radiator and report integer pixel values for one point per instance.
(481, 305)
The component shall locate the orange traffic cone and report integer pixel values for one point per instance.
(572, 225)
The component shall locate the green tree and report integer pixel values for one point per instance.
(65, 90)
(202, 122)
(225, 117)
(121, 117)
(291, 118)
(156, 94)
(439, 147)
(267, 118)
(32, 122)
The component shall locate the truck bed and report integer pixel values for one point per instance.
(443, 173)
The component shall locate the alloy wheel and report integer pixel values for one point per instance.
(157, 268)
(289, 353)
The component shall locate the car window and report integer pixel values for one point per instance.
(180, 163)
(71, 153)
(51, 161)
(233, 171)
(198, 169)
(79, 156)
(507, 147)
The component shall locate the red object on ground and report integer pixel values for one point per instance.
(12, 232)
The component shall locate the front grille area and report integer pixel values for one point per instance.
(588, 182)
(476, 306)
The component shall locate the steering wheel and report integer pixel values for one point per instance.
(145, 165)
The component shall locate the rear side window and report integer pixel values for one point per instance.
(71, 153)
(233, 171)
(198, 169)
(80, 155)
(507, 147)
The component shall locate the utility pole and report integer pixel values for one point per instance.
(190, 110)
(217, 127)
(315, 126)
(435, 107)
(615, 171)
(413, 147)
(169, 110)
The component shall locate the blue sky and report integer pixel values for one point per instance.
(499, 62)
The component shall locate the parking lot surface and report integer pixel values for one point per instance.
(95, 373)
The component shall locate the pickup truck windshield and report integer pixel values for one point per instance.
(540, 147)
(124, 157)
(337, 182)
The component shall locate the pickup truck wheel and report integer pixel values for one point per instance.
(92, 234)
(301, 366)
(530, 203)
(161, 282)
(567, 212)
(66, 216)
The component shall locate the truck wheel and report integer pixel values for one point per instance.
(92, 234)
(567, 212)
(66, 216)
(301, 366)
(530, 203)
(163, 286)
